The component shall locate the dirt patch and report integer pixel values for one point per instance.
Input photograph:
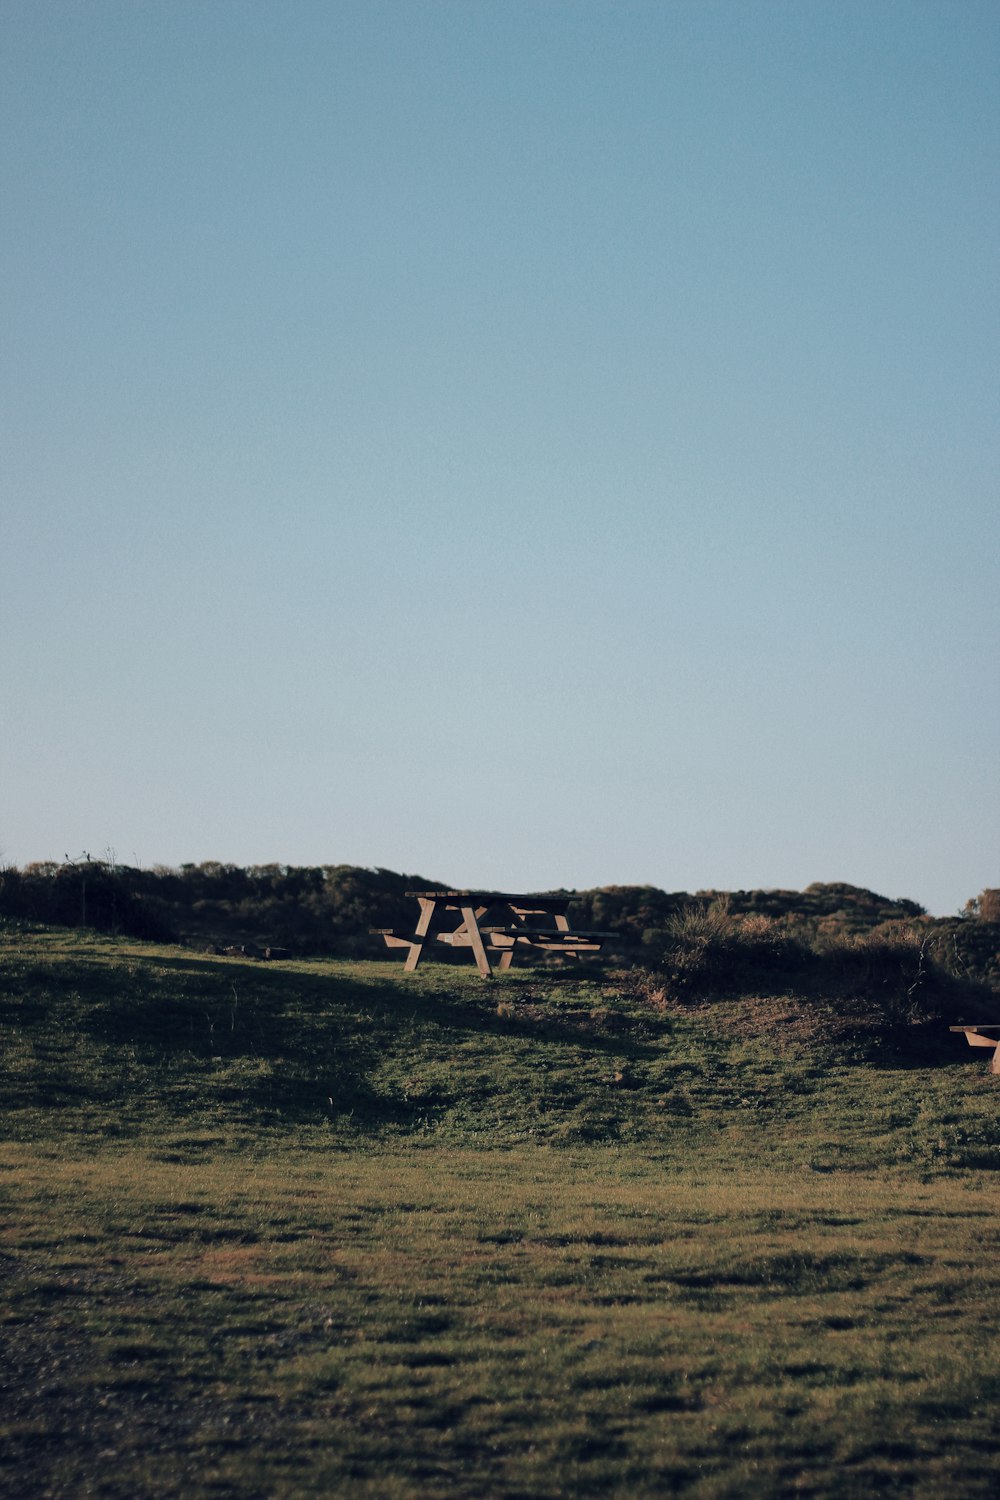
(791, 1024)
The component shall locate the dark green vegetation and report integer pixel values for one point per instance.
(323, 1228)
(330, 909)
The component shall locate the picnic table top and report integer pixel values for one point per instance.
(496, 898)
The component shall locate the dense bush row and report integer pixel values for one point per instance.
(325, 909)
(705, 939)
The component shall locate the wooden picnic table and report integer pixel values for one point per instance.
(492, 923)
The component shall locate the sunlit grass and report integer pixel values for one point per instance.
(532, 1321)
(577, 1248)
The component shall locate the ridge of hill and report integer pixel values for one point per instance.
(331, 909)
(326, 908)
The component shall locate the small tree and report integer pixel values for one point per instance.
(986, 906)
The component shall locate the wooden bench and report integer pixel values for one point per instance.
(983, 1036)
(492, 923)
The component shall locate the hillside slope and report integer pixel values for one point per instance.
(104, 1035)
(281, 1232)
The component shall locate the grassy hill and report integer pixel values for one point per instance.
(326, 1228)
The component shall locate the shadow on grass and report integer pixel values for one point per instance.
(387, 1002)
(263, 1043)
(916, 1047)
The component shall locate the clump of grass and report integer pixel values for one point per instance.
(707, 951)
(891, 969)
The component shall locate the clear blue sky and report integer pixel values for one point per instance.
(524, 444)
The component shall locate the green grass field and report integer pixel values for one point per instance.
(319, 1229)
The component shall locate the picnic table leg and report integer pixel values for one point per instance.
(423, 926)
(562, 925)
(470, 919)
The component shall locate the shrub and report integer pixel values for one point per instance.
(986, 906)
(705, 951)
(890, 968)
(888, 976)
(91, 893)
